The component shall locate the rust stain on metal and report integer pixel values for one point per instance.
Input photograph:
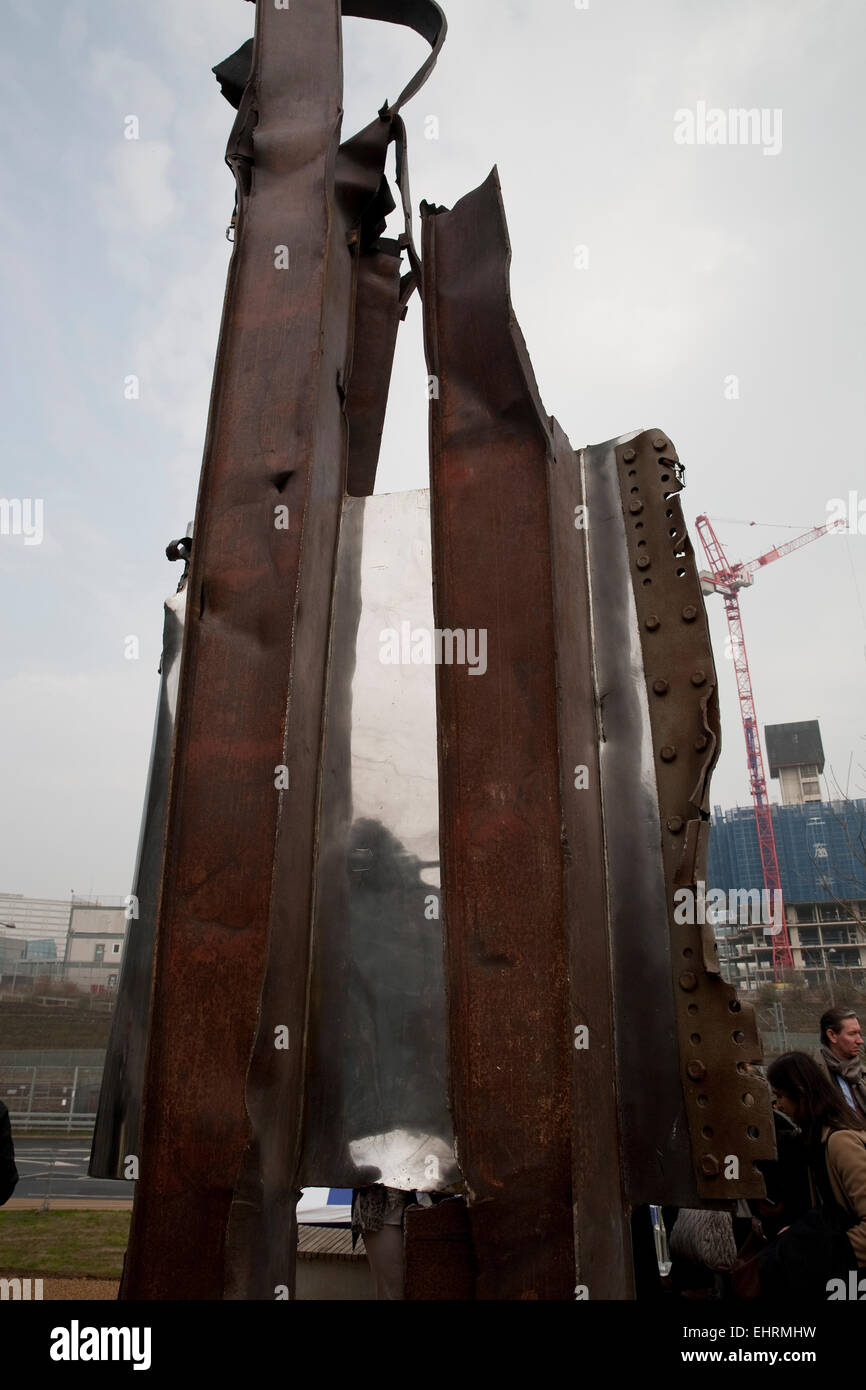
(728, 1111)
(500, 817)
(215, 1207)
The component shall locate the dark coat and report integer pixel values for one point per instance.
(8, 1171)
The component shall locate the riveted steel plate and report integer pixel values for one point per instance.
(728, 1111)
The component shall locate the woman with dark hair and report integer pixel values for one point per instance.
(831, 1238)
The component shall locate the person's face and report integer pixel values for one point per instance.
(848, 1041)
(787, 1105)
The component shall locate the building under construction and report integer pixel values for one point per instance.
(822, 867)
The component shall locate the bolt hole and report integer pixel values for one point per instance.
(666, 477)
(703, 1100)
(707, 1131)
(647, 581)
(738, 1037)
(634, 489)
(669, 513)
(695, 1039)
(680, 574)
(688, 951)
(735, 1006)
(748, 1098)
(753, 1132)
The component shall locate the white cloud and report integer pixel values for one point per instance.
(136, 196)
(133, 86)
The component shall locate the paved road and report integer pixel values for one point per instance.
(58, 1168)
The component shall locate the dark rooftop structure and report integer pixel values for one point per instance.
(793, 745)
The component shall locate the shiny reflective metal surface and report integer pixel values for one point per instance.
(377, 1080)
(655, 1152)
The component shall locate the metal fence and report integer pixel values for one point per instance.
(60, 1097)
(58, 1089)
(777, 1041)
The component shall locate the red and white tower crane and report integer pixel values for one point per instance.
(727, 579)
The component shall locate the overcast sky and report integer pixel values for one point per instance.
(702, 262)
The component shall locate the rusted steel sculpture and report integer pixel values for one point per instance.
(597, 1059)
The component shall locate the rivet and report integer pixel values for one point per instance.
(690, 613)
(660, 442)
(699, 677)
(668, 753)
(635, 507)
(688, 980)
(661, 686)
(675, 824)
(701, 742)
(629, 455)
(643, 562)
(652, 623)
(710, 1166)
(696, 1070)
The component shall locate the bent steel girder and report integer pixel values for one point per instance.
(214, 1213)
(597, 1060)
(602, 1247)
(261, 1238)
(727, 1110)
(506, 951)
(116, 1131)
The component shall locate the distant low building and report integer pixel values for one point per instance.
(78, 940)
(20, 957)
(40, 950)
(37, 919)
(11, 952)
(94, 946)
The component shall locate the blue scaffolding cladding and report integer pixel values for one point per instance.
(821, 848)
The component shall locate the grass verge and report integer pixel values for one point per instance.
(64, 1242)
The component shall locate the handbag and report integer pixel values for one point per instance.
(704, 1237)
(813, 1250)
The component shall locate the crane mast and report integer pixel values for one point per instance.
(727, 579)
